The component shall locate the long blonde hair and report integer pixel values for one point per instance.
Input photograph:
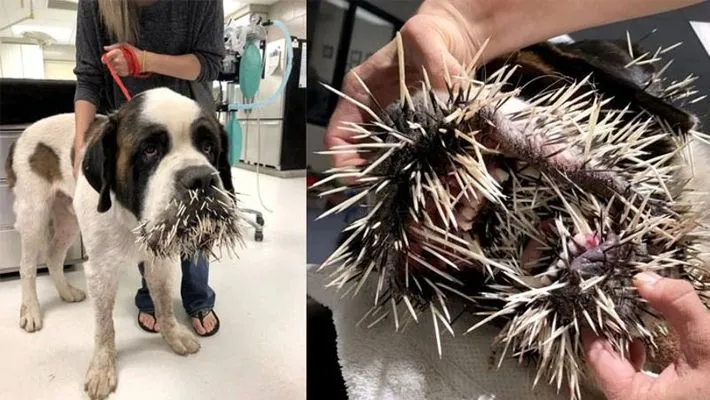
(120, 17)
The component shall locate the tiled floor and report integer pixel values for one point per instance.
(258, 354)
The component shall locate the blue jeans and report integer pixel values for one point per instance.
(195, 291)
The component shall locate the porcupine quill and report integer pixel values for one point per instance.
(199, 224)
(570, 197)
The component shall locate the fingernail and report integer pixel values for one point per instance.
(647, 278)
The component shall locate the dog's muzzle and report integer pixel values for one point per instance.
(197, 178)
(202, 216)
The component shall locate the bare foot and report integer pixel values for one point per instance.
(148, 321)
(208, 324)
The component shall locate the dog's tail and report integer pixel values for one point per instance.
(10, 175)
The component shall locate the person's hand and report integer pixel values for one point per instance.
(687, 376)
(437, 36)
(116, 58)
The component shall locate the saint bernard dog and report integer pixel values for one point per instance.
(155, 149)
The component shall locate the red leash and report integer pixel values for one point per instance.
(134, 69)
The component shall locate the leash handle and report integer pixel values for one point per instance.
(134, 69)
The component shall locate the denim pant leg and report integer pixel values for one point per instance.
(195, 290)
(143, 300)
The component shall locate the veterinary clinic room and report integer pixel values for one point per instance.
(152, 224)
(531, 228)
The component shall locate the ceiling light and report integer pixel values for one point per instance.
(60, 34)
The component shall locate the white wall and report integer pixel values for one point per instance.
(29, 61)
(12, 11)
(62, 70)
(21, 61)
(293, 14)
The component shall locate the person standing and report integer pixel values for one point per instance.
(178, 45)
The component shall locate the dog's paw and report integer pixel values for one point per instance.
(72, 294)
(181, 340)
(30, 317)
(101, 377)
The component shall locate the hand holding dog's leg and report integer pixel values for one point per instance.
(159, 277)
(102, 284)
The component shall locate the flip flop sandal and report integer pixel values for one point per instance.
(200, 315)
(144, 326)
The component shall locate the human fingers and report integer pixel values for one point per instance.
(637, 354)
(425, 42)
(369, 86)
(617, 377)
(121, 68)
(680, 305)
(118, 61)
(113, 47)
(376, 83)
(112, 56)
(430, 43)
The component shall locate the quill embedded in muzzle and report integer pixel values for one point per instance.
(200, 222)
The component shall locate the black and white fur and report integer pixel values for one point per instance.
(137, 160)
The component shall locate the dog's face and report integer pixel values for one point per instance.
(155, 149)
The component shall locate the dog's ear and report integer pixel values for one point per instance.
(99, 163)
(633, 83)
(609, 63)
(225, 170)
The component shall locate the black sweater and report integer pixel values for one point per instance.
(172, 27)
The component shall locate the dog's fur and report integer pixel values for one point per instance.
(135, 163)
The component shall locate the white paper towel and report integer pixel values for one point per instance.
(378, 363)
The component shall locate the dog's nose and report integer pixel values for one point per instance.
(197, 178)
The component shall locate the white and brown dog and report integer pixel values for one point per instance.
(153, 150)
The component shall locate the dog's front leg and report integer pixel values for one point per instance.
(159, 276)
(102, 283)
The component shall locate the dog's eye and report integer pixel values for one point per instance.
(206, 147)
(150, 150)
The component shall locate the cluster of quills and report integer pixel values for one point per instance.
(199, 224)
(535, 219)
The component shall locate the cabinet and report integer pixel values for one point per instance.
(268, 151)
(22, 103)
